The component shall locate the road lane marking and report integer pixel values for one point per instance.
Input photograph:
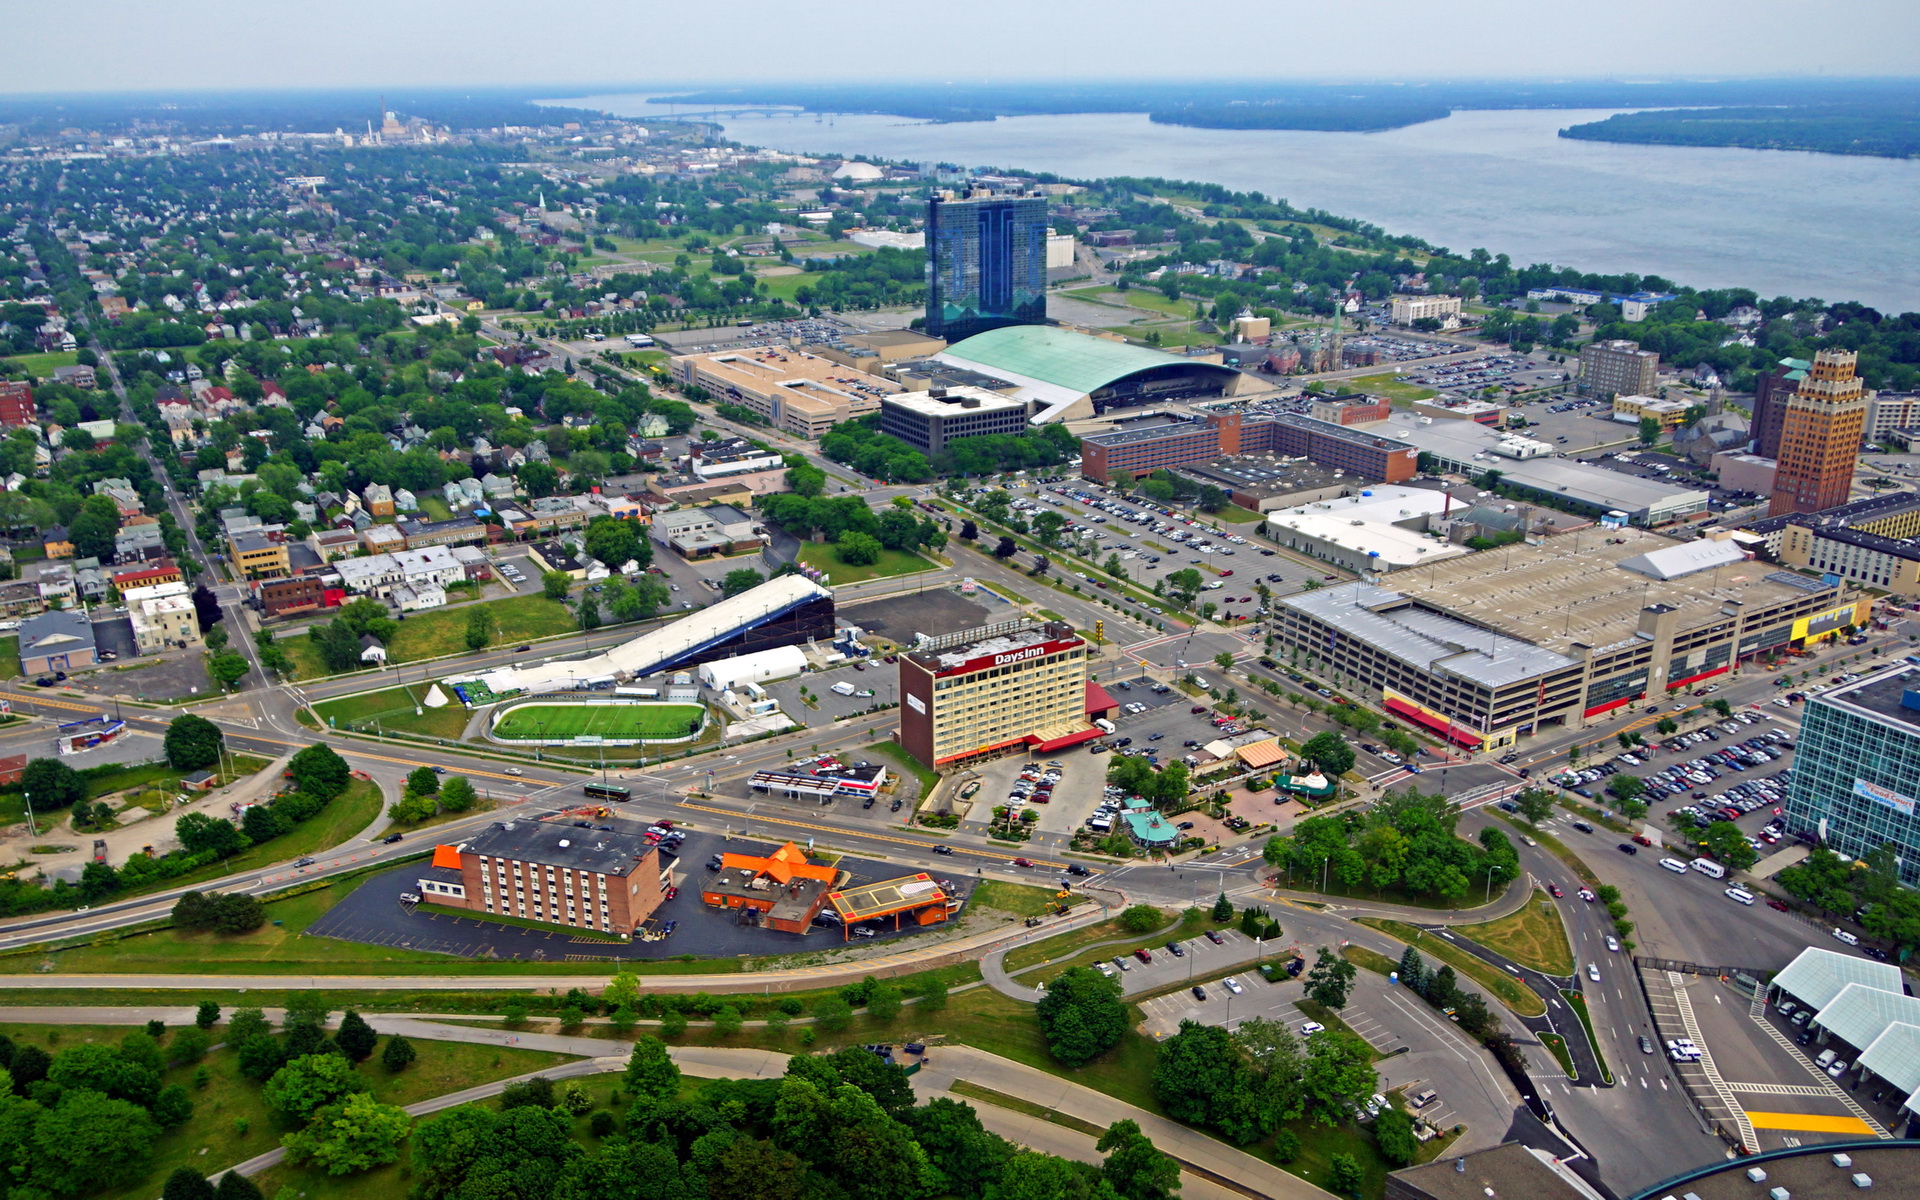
(1812, 1123)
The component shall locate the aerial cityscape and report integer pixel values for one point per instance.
(596, 627)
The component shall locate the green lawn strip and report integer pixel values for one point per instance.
(1557, 1046)
(820, 556)
(1532, 937)
(1389, 384)
(1059, 945)
(973, 1091)
(1389, 895)
(41, 366)
(393, 709)
(903, 761)
(601, 720)
(1189, 926)
(1360, 956)
(1578, 1003)
(1233, 514)
(583, 935)
(1557, 848)
(444, 631)
(211, 1140)
(10, 657)
(1002, 1025)
(1504, 987)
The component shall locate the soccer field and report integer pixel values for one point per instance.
(559, 722)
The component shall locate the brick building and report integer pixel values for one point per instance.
(553, 873)
(1142, 448)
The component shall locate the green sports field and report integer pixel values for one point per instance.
(559, 722)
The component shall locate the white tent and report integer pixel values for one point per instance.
(777, 663)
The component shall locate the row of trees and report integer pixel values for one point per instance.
(425, 796)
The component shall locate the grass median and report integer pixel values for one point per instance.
(1532, 937)
(1497, 983)
(1578, 1003)
(1557, 1046)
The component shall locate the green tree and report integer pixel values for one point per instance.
(617, 542)
(187, 1184)
(319, 771)
(1338, 1074)
(398, 1054)
(1199, 1078)
(1393, 1131)
(227, 668)
(192, 743)
(884, 1002)
(1344, 1174)
(423, 781)
(92, 531)
(555, 585)
(50, 783)
(1649, 430)
(1330, 752)
(741, 579)
(1330, 979)
(1626, 787)
(207, 1015)
(1222, 909)
(344, 1139)
(310, 1083)
(651, 1072)
(832, 1014)
(857, 549)
(1141, 918)
(1413, 969)
(355, 1037)
(92, 1143)
(1535, 804)
(481, 625)
(1136, 1168)
(235, 1186)
(1081, 1015)
(457, 796)
(1183, 585)
(1727, 843)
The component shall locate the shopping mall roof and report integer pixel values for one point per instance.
(1057, 366)
(1423, 638)
(1816, 976)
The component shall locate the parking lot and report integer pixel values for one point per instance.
(375, 915)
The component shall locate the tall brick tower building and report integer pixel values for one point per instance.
(1820, 436)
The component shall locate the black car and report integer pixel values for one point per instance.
(391, 838)
(1176, 949)
(714, 863)
(1077, 869)
(1629, 848)
(949, 850)
(1213, 935)
(1199, 993)
(867, 803)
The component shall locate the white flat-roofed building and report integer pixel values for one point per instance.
(378, 575)
(162, 616)
(1380, 529)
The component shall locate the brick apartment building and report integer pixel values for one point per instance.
(1139, 449)
(553, 873)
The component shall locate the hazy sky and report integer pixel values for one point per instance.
(118, 45)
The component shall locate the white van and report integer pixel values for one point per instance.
(1674, 865)
(1740, 896)
(1103, 725)
(1846, 937)
(1709, 868)
(843, 688)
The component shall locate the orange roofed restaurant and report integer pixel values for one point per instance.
(784, 890)
(912, 897)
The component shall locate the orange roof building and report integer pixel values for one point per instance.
(782, 890)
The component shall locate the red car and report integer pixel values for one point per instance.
(1554, 888)
(1643, 839)
(1777, 904)
(1021, 862)
(1144, 955)
(1224, 574)
(1199, 708)
(670, 893)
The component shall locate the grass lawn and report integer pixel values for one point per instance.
(1502, 986)
(1557, 1046)
(349, 813)
(211, 1140)
(906, 762)
(638, 720)
(1020, 899)
(41, 366)
(518, 923)
(435, 508)
(1338, 890)
(986, 1095)
(820, 556)
(10, 657)
(1233, 514)
(1532, 937)
(1188, 927)
(1140, 298)
(1360, 956)
(784, 286)
(393, 709)
(444, 631)
(1578, 1003)
(1388, 384)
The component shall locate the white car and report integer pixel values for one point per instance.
(1232, 985)
(1309, 1028)
(1613, 943)
(1593, 972)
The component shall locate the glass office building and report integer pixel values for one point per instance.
(1856, 775)
(986, 263)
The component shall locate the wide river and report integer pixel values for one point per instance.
(1782, 223)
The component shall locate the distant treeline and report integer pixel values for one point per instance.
(207, 113)
(1884, 130)
(1242, 105)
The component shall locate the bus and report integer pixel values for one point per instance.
(607, 791)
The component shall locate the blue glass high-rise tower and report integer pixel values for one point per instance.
(986, 263)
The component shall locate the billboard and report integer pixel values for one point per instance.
(1824, 624)
(1883, 796)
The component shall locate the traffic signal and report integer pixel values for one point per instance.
(1099, 631)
